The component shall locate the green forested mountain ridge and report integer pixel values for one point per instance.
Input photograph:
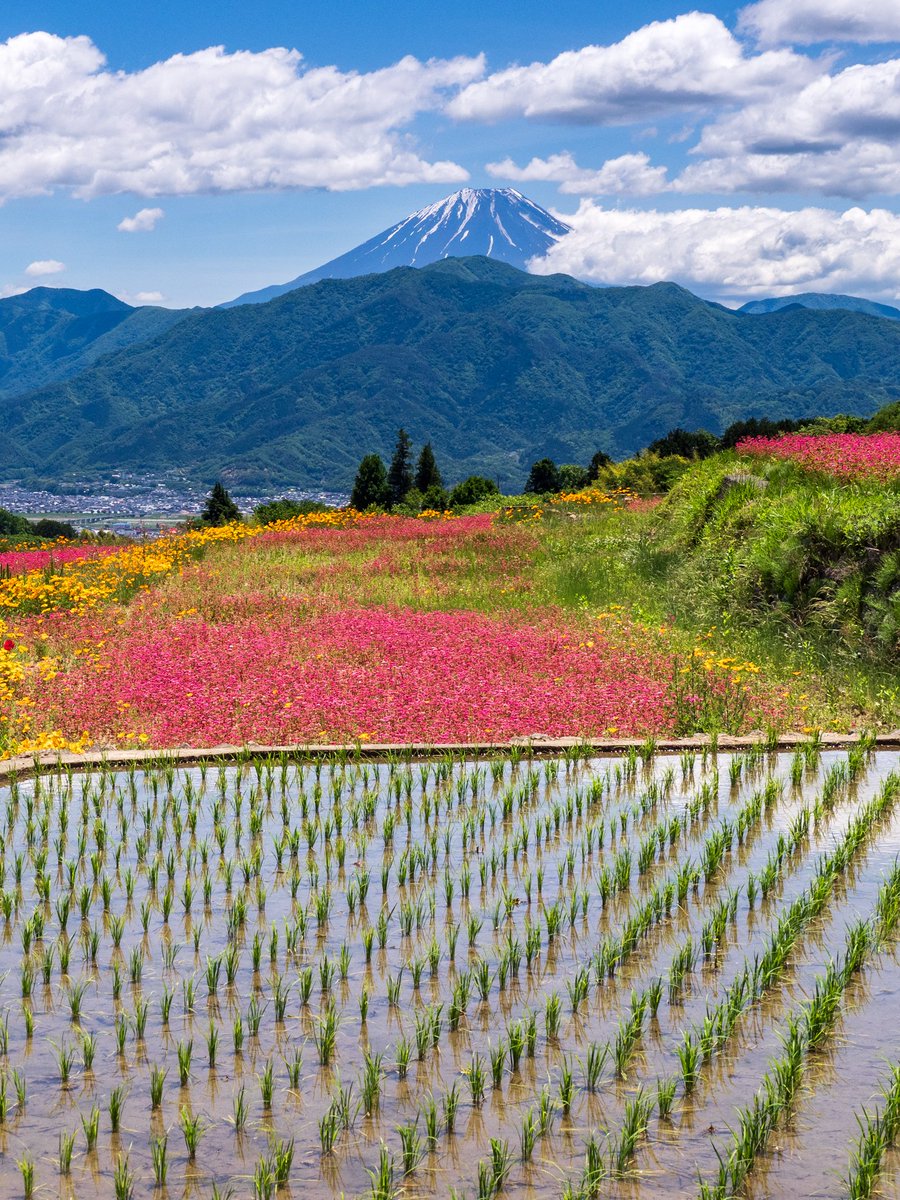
(494, 366)
(822, 300)
(48, 334)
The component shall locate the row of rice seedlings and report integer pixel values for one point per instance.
(754, 980)
(719, 1025)
(725, 911)
(628, 1036)
(808, 1027)
(116, 922)
(616, 948)
(878, 1133)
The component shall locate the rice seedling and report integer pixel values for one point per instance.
(429, 1112)
(192, 1129)
(370, 1087)
(157, 1082)
(116, 1104)
(123, 1179)
(665, 1096)
(566, 1087)
(634, 1127)
(91, 1126)
(66, 1148)
(239, 1109)
(595, 1060)
(26, 1169)
(267, 1085)
(294, 1066)
(325, 1034)
(76, 995)
(329, 1129)
(552, 1014)
(160, 1160)
(477, 1079)
(689, 1055)
(185, 1052)
(412, 1150)
(382, 1177)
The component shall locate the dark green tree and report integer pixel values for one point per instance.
(572, 477)
(597, 463)
(48, 528)
(887, 419)
(400, 475)
(756, 427)
(427, 473)
(695, 443)
(220, 509)
(436, 498)
(473, 490)
(544, 477)
(370, 488)
(12, 525)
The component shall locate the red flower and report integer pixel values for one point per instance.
(9, 644)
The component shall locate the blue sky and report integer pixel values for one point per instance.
(740, 149)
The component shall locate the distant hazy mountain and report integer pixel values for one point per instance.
(48, 334)
(822, 300)
(499, 223)
(495, 366)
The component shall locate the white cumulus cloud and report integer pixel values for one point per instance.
(149, 298)
(692, 62)
(840, 134)
(142, 222)
(629, 174)
(45, 266)
(734, 252)
(211, 121)
(805, 22)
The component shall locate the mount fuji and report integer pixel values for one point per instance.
(498, 223)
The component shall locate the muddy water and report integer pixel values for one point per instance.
(171, 826)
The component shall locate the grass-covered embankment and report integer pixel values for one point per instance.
(797, 571)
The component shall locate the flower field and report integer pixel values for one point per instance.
(564, 978)
(869, 456)
(18, 562)
(342, 628)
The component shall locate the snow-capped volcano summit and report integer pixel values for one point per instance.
(498, 222)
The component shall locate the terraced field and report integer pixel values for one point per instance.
(561, 977)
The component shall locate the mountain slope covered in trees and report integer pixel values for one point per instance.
(822, 300)
(494, 366)
(48, 334)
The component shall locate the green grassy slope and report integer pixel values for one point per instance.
(799, 573)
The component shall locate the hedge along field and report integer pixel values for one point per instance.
(562, 978)
(347, 627)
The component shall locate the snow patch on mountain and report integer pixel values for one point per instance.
(498, 222)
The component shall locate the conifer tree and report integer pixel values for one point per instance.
(597, 463)
(427, 473)
(370, 488)
(544, 477)
(220, 509)
(400, 476)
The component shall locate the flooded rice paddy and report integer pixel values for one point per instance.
(532, 978)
